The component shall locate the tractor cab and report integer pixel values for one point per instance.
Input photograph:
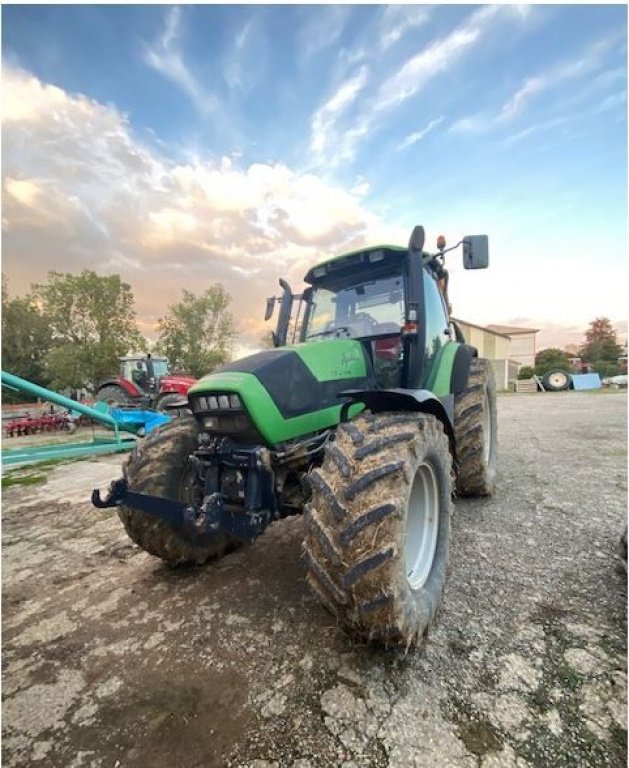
(368, 304)
(393, 300)
(144, 372)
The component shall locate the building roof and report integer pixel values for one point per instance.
(512, 330)
(486, 329)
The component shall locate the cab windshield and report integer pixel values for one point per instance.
(366, 309)
(160, 367)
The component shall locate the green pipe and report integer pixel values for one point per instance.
(15, 382)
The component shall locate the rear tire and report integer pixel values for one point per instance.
(378, 526)
(159, 466)
(556, 381)
(622, 549)
(475, 430)
(114, 396)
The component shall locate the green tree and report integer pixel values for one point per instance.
(600, 342)
(550, 359)
(26, 338)
(92, 321)
(198, 331)
(605, 368)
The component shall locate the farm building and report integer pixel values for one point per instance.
(507, 347)
(522, 342)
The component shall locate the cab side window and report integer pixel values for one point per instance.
(436, 327)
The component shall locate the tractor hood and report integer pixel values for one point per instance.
(290, 391)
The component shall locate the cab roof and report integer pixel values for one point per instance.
(377, 256)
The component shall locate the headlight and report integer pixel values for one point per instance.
(217, 402)
(225, 414)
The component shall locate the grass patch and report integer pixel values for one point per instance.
(10, 480)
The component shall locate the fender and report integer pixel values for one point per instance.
(128, 386)
(178, 385)
(461, 367)
(422, 400)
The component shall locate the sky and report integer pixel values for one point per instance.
(180, 146)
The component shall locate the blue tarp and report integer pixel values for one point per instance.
(586, 381)
(146, 420)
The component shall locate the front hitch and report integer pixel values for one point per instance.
(195, 524)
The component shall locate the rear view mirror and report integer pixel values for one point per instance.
(270, 306)
(476, 252)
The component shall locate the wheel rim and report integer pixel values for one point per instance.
(558, 379)
(487, 430)
(422, 526)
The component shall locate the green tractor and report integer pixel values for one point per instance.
(370, 424)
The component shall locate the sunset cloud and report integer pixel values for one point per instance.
(101, 200)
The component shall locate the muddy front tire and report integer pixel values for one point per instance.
(475, 429)
(378, 526)
(114, 396)
(159, 466)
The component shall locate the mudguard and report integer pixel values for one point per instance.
(461, 367)
(117, 381)
(382, 400)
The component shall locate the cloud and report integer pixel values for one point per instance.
(535, 85)
(165, 57)
(324, 131)
(246, 62)
(323, 28)
(413, 138)
(436, 58)
(555, 77)
(79, 192)
(610, 102)
(397, 20)
(410, 78)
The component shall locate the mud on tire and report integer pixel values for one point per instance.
(385, 481)
(475, 429)
(114, 395)
(159, 466)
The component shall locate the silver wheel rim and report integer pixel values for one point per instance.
(422, 526)
(558, 379)
(487, 431)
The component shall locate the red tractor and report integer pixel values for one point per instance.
(145, 382)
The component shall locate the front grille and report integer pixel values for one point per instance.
(216, 402)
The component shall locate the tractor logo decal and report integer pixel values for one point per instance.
(348, 363)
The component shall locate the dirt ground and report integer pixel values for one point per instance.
(111, 658)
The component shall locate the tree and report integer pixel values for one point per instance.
(551, 359)
(26, 338)
(198, 331)
(92, 321)
(600, 342)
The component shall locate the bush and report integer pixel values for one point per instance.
(550, 360)
(605, 368)
(526, 372)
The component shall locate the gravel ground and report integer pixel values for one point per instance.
(111, 658)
